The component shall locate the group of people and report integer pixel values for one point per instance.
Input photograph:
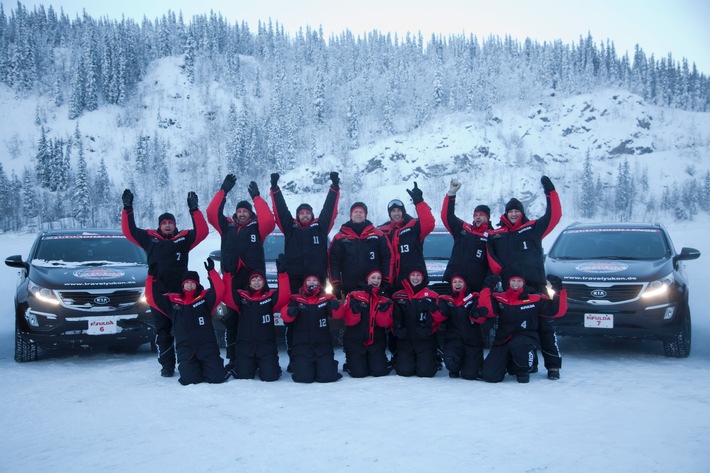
(379, 288)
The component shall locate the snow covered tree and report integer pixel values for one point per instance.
(624, 196)
(29, 200)
(353, 123)
(588, 198)
(81, 199)
(43, 160)
(190, 50)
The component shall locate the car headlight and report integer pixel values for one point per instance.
(659, 287)
(42, 293)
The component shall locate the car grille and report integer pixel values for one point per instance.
(614, 293)
(101, 300)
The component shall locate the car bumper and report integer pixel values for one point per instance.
(660, 322)
(50, 329)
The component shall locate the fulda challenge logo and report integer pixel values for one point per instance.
(600, 267)
(98, 274)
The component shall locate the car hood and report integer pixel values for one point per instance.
(64, 277)
(608, 270)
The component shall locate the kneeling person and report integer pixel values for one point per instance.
(256, 335)
(307, 314)
(191, 313)
(368, 317)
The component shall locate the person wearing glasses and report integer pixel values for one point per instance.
(406, 235)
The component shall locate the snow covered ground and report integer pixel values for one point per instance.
(620, 406)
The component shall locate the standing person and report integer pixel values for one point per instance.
(406, 235)
(368, 317)
(242, 242)
(357, 250)
(463, 336)
(191, 313)
(167, 251)
(469, 257)
(256, 335)
(416, 318)
(308, 314)
(306, 237)
(519, 315)
(515, 249)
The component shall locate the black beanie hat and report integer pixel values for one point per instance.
(191, 275)
(483, 208)
(358, 204)
(514, 204)
(396, 204)
(304, 207)
(166, 216)
(243, 204)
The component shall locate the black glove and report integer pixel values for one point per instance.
(491, 281)
(275, 180)
(525, 294)
(209, 264)
(384, 305)
(482, 312)
(416, 195)
(127, 199)
(253, 190)
(153, 269)
(334, 304)
(292, 310)
(281, 263)
(228, 183)
(547, 184)
(555, 282)
(191, 201)
(356, 306)
(337, 290)
(335, 179)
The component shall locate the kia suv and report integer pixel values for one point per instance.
(80, 288)
(624, 280)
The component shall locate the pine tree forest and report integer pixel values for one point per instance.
(289, 92)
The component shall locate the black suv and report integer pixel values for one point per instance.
(624, 280)
(80, 288)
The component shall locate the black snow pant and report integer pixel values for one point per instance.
(548, 345)
(200, 362)
(515, 357)
(164, 340)
(314, 362)
(364, 360)
(464, 357)
(250, 356)
(416, 357)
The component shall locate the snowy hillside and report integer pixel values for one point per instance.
(496, 156)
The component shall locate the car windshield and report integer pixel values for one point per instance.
(611, 243)
(437, 245)
(87, 250)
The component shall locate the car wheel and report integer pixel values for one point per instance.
(25, 350)
(679, 346)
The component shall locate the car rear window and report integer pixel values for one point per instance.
(611, 243)
(86, 249)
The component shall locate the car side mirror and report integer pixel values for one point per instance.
(684, 255)
(15, 261)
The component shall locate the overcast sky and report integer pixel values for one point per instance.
(659, 26)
